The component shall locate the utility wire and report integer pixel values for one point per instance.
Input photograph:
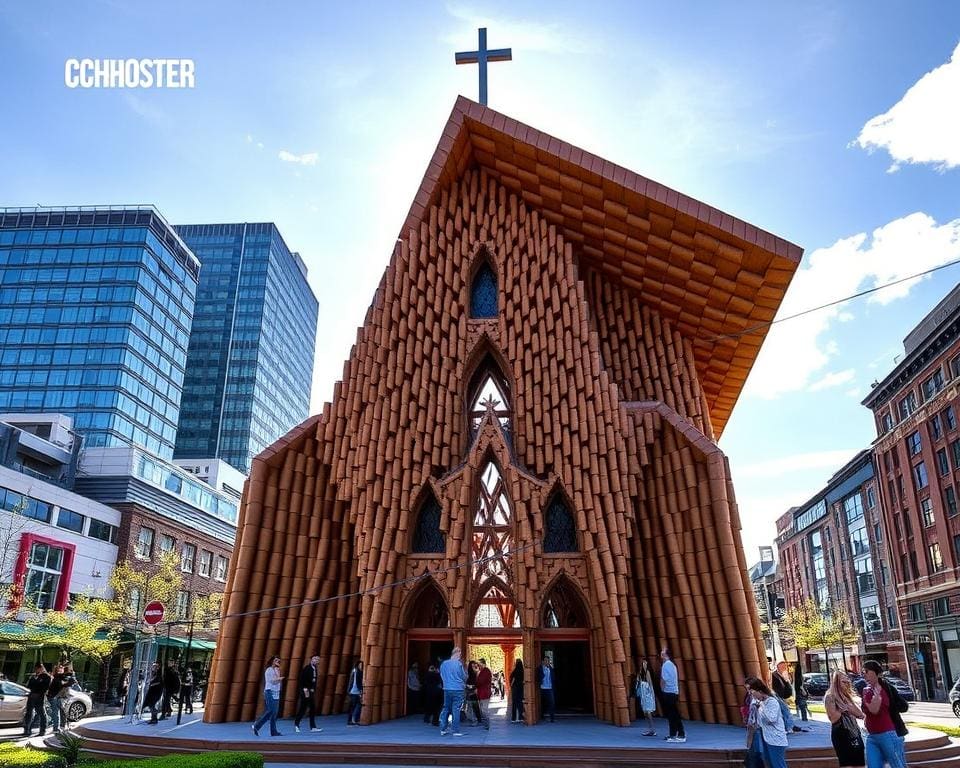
(761, 326)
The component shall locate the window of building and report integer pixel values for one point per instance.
(943, 465)
(427, 536)
(871, 497)
(891, 619)
(187, 556)
(70, 520)
(206, 561)
(926, 512)
(167, 543)
(905, 567)
(44, 570)
(144, 549)
(560, 531)
(183, 605)
(949, 418)
(103, 531)
(933, 384)
(956, 547)
(936, 559)
(871, 617)
(955, 450)
(907, 525)
(37, 510)
(913, 565)
(877, 532)
(936, 427)
(941, 606)
(863, 568)
(907, 405)
(913, 443)
(483, 293)
(920, 476)
(221, 573)
(916, 612)
(886, 422)
(950, 500)
(488, 390)
(853, 508)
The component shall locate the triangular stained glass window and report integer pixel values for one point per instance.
(492, 528)
(427, 536)
(483, 293)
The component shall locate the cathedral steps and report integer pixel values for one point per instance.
(930, 750)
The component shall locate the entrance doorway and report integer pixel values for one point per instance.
(573, 682)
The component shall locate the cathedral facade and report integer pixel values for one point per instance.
(522, 450)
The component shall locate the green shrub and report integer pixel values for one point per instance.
(13, 756)
(198, 760)
(70, 747)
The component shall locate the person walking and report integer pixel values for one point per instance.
(454, 678)
(843, 714)
(38, 684)
(272, 679)
(767, 719)
(670, 697)
(123, 685)
(414, 690)
(306, 693)
(646, 700)
(171, 688)
(471, 703)
(484, 692)
(433, 695)
(154, 692)
(355, 692)
(516, 692)
(884, 744)
(546, 681)
(186, 691)
(67, 680)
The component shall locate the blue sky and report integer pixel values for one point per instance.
(837, 127)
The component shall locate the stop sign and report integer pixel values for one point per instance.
(153, 613)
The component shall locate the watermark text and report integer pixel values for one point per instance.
(129, 73)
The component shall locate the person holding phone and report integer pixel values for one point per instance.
(272, 678)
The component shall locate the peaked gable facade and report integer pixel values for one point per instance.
(507, 364)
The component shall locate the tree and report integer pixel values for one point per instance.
(134, 586)
(804, 625)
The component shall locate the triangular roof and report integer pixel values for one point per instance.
(709, 273)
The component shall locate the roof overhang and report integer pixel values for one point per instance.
(718, 279)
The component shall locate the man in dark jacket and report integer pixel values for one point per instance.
(307, 684)
(171, 687)
(546, 682)
(155, 692)
(39, 684)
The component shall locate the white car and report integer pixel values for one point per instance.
(954, 697)
(13, 702)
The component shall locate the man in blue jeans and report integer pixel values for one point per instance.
(546, 683)
(454, 678)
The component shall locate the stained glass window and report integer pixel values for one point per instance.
(561, 532)
(427, 536)
(492, 528)
(563, 607)
(483, 295)
(429, 609)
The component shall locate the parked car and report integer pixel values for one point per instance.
(13, 702)
(816, 682)
(954, 697)
(902, 686)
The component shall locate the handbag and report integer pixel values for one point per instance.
(851, 730)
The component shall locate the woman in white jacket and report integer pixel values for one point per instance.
(765, 713)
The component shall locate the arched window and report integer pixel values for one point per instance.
(563, 607)
(492, 528)
(427, 536)
(560, 532)
(483, 293)
(496, 609)
(488, 390)
(429, 609)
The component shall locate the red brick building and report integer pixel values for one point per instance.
(833, 549)
(918, 463)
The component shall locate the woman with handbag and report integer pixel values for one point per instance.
(646, 701)
(843, 713)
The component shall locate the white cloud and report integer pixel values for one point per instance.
(924, 126)
(798, 462)
(308, 158)
(832, 379)
(796, 351)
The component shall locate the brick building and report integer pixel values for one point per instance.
(833, 549)
(917, 453)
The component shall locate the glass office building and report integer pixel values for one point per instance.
(95, 312)
(250, 362)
